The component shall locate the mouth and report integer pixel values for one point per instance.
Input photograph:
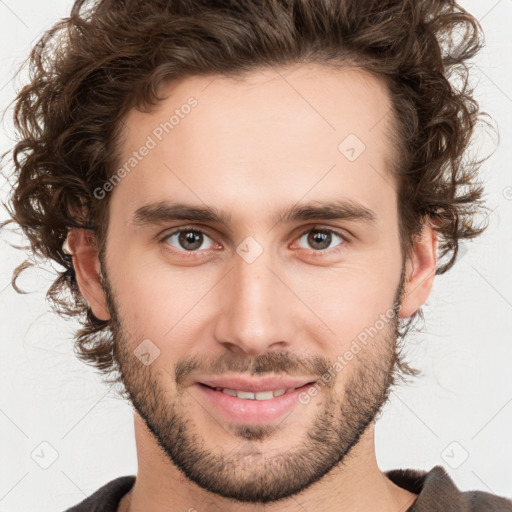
(240, 406)
(258, 395)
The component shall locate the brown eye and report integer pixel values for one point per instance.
(321, 239)
(188, 240)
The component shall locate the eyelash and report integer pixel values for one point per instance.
(191, 254)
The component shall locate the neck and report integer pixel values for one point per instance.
(357, 485)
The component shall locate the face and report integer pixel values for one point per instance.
(240, 293)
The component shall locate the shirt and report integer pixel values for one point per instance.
(436, 493)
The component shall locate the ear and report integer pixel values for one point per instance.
(420, 270)
(84, 251)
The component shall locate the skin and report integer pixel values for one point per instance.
(251, 147)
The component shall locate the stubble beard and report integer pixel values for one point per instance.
(245, 473)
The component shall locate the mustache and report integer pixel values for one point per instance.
(284, 363)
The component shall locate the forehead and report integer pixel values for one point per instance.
(295, 131)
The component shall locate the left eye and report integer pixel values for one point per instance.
(190, 240)
(320, 239)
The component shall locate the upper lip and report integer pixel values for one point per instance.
(256, 385)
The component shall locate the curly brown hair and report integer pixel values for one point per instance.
(108, 57)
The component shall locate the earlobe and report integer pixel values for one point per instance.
(420, 271)
(82, 246)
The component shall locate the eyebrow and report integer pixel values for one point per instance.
(164, 211)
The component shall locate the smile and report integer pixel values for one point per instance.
(251, 407)
(260, 395)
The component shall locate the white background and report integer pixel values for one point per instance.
(461, 407)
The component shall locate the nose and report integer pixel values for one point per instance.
(258, 312)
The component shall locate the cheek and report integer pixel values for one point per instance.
(154, 300)
(139, 298)
(351, 301)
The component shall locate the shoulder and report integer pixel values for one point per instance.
(437, 492)
(107, 497)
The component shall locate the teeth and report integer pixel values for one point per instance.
(261, 395)
(248, 395)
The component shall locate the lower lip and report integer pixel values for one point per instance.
(254, 412)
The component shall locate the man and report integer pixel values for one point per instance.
(310, 154)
